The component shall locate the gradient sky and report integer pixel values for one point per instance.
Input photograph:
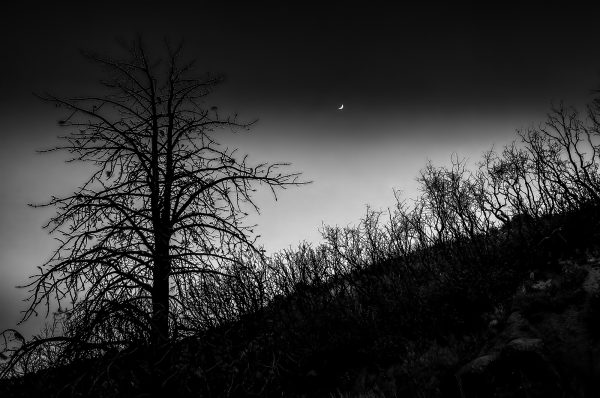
(417, 83)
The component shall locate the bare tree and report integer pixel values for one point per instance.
(164, 208)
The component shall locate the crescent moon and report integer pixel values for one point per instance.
(341, 107)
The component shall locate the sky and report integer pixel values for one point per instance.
(418, 82)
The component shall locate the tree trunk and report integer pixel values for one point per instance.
(160, 295)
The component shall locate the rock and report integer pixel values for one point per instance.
(519, 367)
(592, 281)
(524, 344)
(478, 365)
(542, 285)
(516, 326)
(473, 377)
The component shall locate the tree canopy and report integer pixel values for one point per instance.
(161, 217)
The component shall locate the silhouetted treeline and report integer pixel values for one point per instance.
(401, 281)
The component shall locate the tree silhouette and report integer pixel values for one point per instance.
(164, 207)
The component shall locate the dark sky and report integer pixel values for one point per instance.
(417, 83)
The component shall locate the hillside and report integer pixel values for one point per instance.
(529, 331)
(486, 285)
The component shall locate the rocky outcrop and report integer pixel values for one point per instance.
(545, 347)
(519, 368)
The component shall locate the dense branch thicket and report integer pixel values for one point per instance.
(550, 171)
(406, 279)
